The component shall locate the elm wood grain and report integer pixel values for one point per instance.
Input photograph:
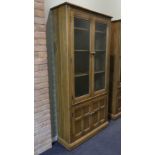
(88, 115)
(115, 71)
(79, 118)
(84, 138)
(82, 8)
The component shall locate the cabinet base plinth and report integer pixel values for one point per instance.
(115, 116)
(70, 146)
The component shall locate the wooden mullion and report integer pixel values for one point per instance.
(92, 52)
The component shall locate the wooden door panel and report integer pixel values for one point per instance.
(95, 113)
(102, 114)
(86, 118)
(95, 118)
(78, 127)
(88, 115)
(99, 111)
(81, 120)
(86, 123)
(78, 112)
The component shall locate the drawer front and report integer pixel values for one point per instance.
(88, 115)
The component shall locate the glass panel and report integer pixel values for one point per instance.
(81, 40)
(81, 62)
(99, 81)
(81, 85)
(100, 56)
(99, 61)
(101, 27)
(81, 56)
(100, 41)
(81, 23)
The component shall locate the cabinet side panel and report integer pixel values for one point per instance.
(62, 61)
(114, 66)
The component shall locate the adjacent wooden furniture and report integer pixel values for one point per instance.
(82, 51)
(115, 71)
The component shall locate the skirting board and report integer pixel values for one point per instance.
(82, 139)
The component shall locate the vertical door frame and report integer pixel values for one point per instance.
(85, 16)
(108, 31)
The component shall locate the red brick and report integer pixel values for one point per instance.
(42, 108)
(40, 67)
(38, 13)
(39, 42)
(40, 73)
(40, 61)
(41, 79)
(41, 114)
(40, 28)
(40, 55)
(38, 6)
(41, 91)
(41, 103)
(40, 48)
(42, 130)
(39, 35)
(42, 119)
(42, 124)
(39, 20)
(41, 85)
(41, 97)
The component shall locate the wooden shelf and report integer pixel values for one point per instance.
(81, 29)
(98, 72)
(100, 51)
(81, 50)
(100, 32)
(81, 74)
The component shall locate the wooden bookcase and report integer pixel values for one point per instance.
(82, 51)
(115, 71)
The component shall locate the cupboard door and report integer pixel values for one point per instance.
(95, 113)
(81, 56)
(99, 111)
(81, 120)
(100, 56)
(103, 102)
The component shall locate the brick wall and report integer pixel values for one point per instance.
(42, 122)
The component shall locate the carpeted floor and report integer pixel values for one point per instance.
(106, 142)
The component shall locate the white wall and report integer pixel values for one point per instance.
(108, 7)
(51, 3)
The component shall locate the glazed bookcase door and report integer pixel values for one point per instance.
(100, 56)
(81, 57)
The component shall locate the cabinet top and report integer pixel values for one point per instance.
(82, 8)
